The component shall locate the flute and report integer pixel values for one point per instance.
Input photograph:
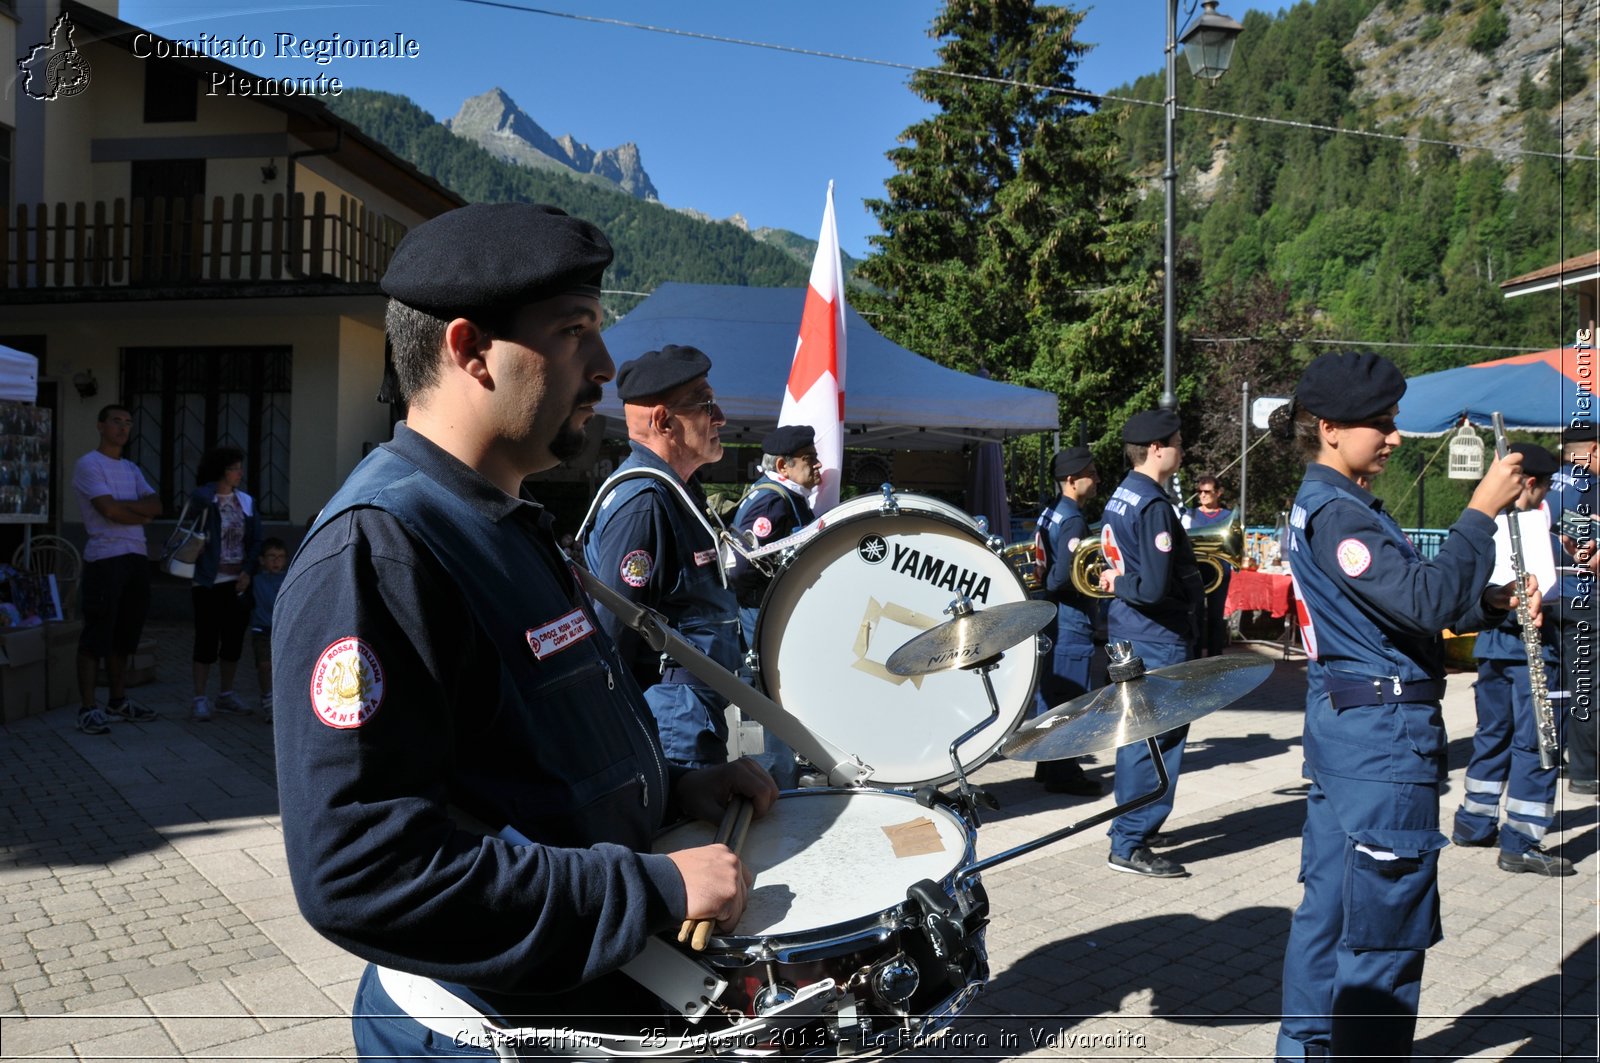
(1544, 717)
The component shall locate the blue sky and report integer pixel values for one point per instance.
(722, 128)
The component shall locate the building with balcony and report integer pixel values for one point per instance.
(209, 259)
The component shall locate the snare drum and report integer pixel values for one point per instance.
(856, 591)
(832, 873)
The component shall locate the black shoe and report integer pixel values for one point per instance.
(1066, 777)
(1143, 862)
(1538, 862)
(1587, 787)
(1474, 843)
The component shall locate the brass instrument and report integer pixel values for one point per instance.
(1023, 557)
(1215, 548)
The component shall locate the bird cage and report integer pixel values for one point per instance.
(1466, 455)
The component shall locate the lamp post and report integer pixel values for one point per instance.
(1208, 45)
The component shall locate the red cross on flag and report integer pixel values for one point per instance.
(815, 395)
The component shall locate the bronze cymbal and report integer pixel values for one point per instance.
(970, 638)
(1124, 713)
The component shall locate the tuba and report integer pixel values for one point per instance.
(1217, 547)
(1214, 549)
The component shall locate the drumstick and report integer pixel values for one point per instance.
(730, 816)
(742, 811)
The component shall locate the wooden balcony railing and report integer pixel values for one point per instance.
(180, 241)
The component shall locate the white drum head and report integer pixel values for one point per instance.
(859, 590)
(827, 857)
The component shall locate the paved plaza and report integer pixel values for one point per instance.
(146, 912)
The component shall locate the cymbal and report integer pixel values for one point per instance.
(1124, 713)
(971, 637)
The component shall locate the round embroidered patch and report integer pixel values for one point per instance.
(346, 684)
(636, 568)
(762, 527)
(1354, 557)
(1164, 542)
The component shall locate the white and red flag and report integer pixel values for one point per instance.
(815, 395)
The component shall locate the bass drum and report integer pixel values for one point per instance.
(860, 588)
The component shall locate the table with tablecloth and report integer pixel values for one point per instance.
(1264, 591)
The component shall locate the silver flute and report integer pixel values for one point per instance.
(1544, 717)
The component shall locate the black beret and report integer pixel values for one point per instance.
(788, 440)
(489, 259)
(1536, 461)
(658, 372)
(1349, 386)
(1579, 433)
(1151, 426)
(1070, 462)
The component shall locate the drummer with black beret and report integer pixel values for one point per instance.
(1371, 612)
(656, 549)
(469, 785)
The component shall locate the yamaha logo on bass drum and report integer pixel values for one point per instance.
(926, 567)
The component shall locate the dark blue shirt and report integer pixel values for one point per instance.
(1059, 531)
(771, 511)
(434, 660)
(1572, 489)
(1158, 589)
(647, 549)
(1373, 606)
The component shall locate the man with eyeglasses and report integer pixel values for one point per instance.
(777, 505)
(1207, 513)
(647, 547)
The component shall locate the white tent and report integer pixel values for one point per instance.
(893, 397)
(19, 376)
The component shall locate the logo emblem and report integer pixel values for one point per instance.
(55, 69)
(1354, 557)
(636, 568)
(872, 549)
(762, 527)
(346, 684)
(1164, 542)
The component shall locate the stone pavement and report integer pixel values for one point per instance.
(145, 910)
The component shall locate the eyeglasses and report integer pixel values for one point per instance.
(1206, 490)
(707, 406)
(809, 458)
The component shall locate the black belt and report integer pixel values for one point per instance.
(1387, 690)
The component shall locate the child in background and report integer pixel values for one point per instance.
(274, 563)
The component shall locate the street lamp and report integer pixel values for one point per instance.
(1208, 44)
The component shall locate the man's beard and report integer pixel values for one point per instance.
(569, 441)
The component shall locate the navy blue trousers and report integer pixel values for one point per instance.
(1505, 762)
(1136, 770)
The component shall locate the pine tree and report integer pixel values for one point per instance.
(1007, 227)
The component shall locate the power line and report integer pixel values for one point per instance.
(1031, 86)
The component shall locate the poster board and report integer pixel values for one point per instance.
(24, 463)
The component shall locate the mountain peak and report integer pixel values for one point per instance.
(493, 120)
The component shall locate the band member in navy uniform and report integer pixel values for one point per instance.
(1061, 529)
(651, 549)
(469, 779)
(1505, 746)
(1158, 595)
(775, 507)
(1208, 513)
(1374, 739)
(1574, 492)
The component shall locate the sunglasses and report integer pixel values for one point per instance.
(707, 406)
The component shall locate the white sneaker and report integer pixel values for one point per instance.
(202, 710)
